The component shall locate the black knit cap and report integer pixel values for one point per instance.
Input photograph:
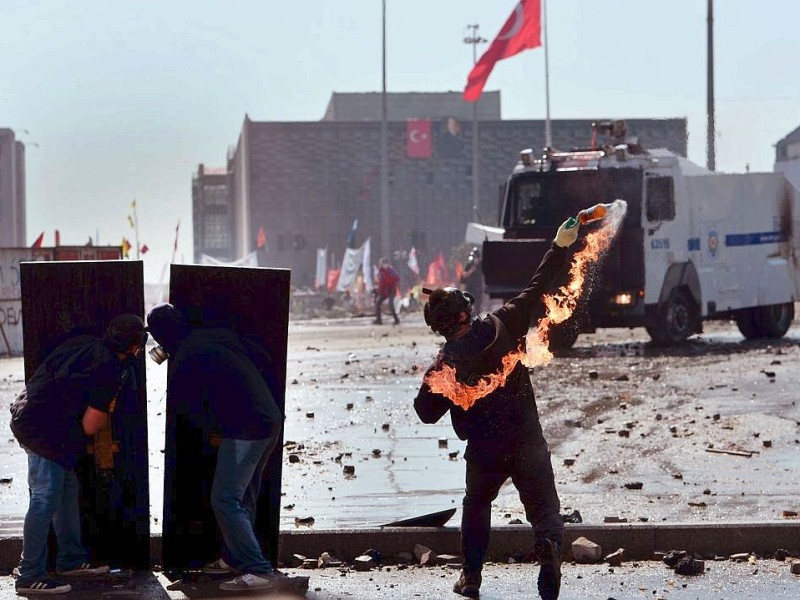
(168, 326)
(124, 331)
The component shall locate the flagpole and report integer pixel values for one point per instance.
(711, 161)
(385, 243)
(474, 39)
(136, 228)
(548, 134)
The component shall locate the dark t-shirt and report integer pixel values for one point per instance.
(214, 380)
(80, 372)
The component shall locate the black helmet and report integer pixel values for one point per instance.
(168, 326)
(124, 331)
(444, 307)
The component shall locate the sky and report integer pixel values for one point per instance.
(122, 100)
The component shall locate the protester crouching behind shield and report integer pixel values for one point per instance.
(213, 369)
(502, 430)
(67, 399)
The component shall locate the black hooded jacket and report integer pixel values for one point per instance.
(509, 414)
(80, 372)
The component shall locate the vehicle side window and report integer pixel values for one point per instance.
(660, 199)
(530, 203)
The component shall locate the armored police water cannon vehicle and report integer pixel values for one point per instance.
(694, 245)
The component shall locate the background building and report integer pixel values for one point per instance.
(12, 190)
(787, 157)
(305, 183)
(212, 217)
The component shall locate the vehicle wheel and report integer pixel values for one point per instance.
(563, 336)
(747, 322)
(774, 320)
(677, 319)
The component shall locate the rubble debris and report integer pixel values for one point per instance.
(573, 517)
(304, 521)
(442, 442)
(633, 485)
(309, 415)
(698, 504)
(586, 551)
(614, 519)
(515, 522)
(794, 569)
(349, 470)
(364, 563)
(745, 453)
(672, 557)
(309, 563)
(376, 453)
(789, 514)
(424, 555)
(767, 443)
(568, 462)
(326, 559)
(294, 458)
(453, 455)
(349, 406)
(6, 479)
(624, 433)
(690, 566)
(385, 427)
(615, 558)
(740, 557)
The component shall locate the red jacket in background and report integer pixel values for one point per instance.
(388, 279)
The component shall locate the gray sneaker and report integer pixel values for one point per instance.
(85, 570)
(251, 581)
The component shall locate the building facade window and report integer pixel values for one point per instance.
(217, 232)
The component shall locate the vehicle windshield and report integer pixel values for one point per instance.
(546, 199)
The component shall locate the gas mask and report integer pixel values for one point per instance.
(158, 354)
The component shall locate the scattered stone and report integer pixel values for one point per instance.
(634, 485)
(586, 551)
(593, 375)
(309, 415)
(568, 462)
(364, 563)
(698, 504)
(442, 442)
(385, 427)
(781, 554)
(770, 374)
(789, 514)
(767, 443)
(573, 517)
(690, 566)
(326, 560)
(369, 399)
(740, 557)
(794, 569)
(294, 458)
(304, 521)
(622, 377)
(624, 433)
(515, 522)
(672, 557)
(614, 519)
(424, 555)
(309, 563)
(349, 470)
(376, 453)
(453, 455)
(296, 560)
(349, 406)
(715, 416)
(6, 479)
(615, 558)
(706, 492)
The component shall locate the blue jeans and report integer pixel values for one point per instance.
(234, 495)
(53, 498)
(531, 472)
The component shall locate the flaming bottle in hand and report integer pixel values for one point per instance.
(595, 213)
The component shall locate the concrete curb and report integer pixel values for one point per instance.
(640, 540)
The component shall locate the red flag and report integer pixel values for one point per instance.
(38, 242)
(58, 237)
(261, 240)
(522, 30)
(418, 138)
(144, 249)
(126, 248)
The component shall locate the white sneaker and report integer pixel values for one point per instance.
(249, 581)
(218, 567)
(85, 570)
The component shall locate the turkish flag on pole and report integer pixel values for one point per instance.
(418, 138)
(261, 239)
(523, 30)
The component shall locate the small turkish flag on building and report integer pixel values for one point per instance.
(418, 138)
(144, 249)
(261, 239)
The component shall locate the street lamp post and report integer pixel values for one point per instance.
(475, 39)
(385, 242)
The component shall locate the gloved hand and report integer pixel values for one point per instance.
(567, 233)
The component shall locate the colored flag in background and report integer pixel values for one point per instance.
(126, 248)
(38, 241)
(351, 237)
(412, 261)
(144, 249)
(261, 238)
(522, 30)
(418, 138)
(58, 237)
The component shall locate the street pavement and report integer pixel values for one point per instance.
(723, 580)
